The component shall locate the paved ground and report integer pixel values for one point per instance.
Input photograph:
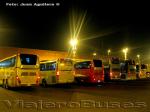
(127, 96)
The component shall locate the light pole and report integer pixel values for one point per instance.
(138, 56)
(108, 51)
(73, 43)
(125, 53)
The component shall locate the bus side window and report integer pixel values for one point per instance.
(12, 62)
(50, 66)
(8, 63)
(42, 67)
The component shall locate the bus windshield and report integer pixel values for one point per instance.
(28, 59)
(143, 66)
(132, 68)
(115, 61)
(115, 67)
(97, 63)
(131, 62)
(83, 65)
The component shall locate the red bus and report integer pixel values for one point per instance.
(89, 71)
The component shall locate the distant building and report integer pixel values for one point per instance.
(46, 54)
(43, 54)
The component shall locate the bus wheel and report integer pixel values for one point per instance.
(78, 81)
(44, 83)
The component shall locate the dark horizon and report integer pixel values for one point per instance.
(107, 26)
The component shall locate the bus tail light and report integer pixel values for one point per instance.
(38, 80)
(57, 75)
(18, 79)
(111, 74)
(74, 73)
(38, 77)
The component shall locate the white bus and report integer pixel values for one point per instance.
(128, 70)
(19, 70)
(112, 69)
(56, 71)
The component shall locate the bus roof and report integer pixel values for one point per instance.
(54, 60)
(46, 61)
(82, 60)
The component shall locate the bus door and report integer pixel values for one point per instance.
(98, 71)
(124, 70)
(64, 71)
(51, 72)
(48, 72)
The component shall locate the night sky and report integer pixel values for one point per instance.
(107, 25)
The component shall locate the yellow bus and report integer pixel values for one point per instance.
(143, 71)
(56, 71)
(19, 70)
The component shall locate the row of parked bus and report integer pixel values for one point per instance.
(117, 69)
(67, 70)
(27, 70)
